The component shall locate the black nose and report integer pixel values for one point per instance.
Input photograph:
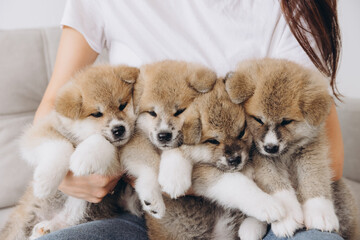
(234, 161)
(164, 136)
(118, 131)
(271, 148)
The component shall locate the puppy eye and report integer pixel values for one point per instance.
(122, 106)
(241, 134)
(212, 141)
(97, 114)
(152, 113)
(258, 120)
(286, 122)
(178, 112)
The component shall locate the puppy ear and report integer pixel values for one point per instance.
(239, 86)
(192, 129)
(69, 101)
(315, 105)
(127, 74)
(201, 78)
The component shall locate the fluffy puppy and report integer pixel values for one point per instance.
(286, 117)
(163, 93)
(219, 144)
(93, 115)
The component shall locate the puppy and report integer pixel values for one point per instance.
(163, 94)
(94, 114)
(286, 117)
(219, 146)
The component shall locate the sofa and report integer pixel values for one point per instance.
(26, 62)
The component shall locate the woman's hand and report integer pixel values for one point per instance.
(92, 188)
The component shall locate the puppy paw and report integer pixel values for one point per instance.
(285, 227)
(93, 155)
(294, 218)
(269, 210)
(174, 173)
(319, 213)
(252, 229)
(155, 207)
(41, 229)
(151, 200)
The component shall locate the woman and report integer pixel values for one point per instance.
(217, 34)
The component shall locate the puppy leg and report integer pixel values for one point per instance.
(94, 155)
(72, 214)
(141, 160)
(235, 190)
(149, 192)
(314, 188)
(278, 184)
(52, 158)
(294, 218)
(175, 173)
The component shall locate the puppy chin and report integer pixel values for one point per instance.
(282, 150)
(120, 142)
(167, 146)
(177, 142)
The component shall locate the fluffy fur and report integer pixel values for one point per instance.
(163, 93)
(219, 145)
(286, 117)
(93, 115)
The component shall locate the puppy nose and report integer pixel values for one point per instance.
(118, 131)
(164, 136)
(271, 148)
(234, 161)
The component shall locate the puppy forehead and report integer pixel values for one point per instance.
(276, 97)
(223, 117)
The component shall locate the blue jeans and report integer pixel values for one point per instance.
(130, 227)
(306, 235)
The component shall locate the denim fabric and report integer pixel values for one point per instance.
(123, 227)
(130, 227)
(306, 235)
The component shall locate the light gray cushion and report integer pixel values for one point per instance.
(26, 62)
(349, 116)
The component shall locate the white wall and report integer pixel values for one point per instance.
(30, 13)
(44, 13)
(349, 71)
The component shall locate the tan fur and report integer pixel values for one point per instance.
(286, 91)
(97, 89)
(164, 93)
(215, 118)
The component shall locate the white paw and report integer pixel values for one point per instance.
(174, 173)
(41, 229)
(294, 218)
(150, 198)
(285, 227)
(153, 203)
(319, 213)
(269, 210)
(93, 155)
(252, 229)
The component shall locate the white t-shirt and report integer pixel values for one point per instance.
(216, 33)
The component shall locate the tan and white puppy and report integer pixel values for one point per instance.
(163, 93)
(219, 144)
(94, 114)
(286, 117)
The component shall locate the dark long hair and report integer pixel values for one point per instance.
(316, 21)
